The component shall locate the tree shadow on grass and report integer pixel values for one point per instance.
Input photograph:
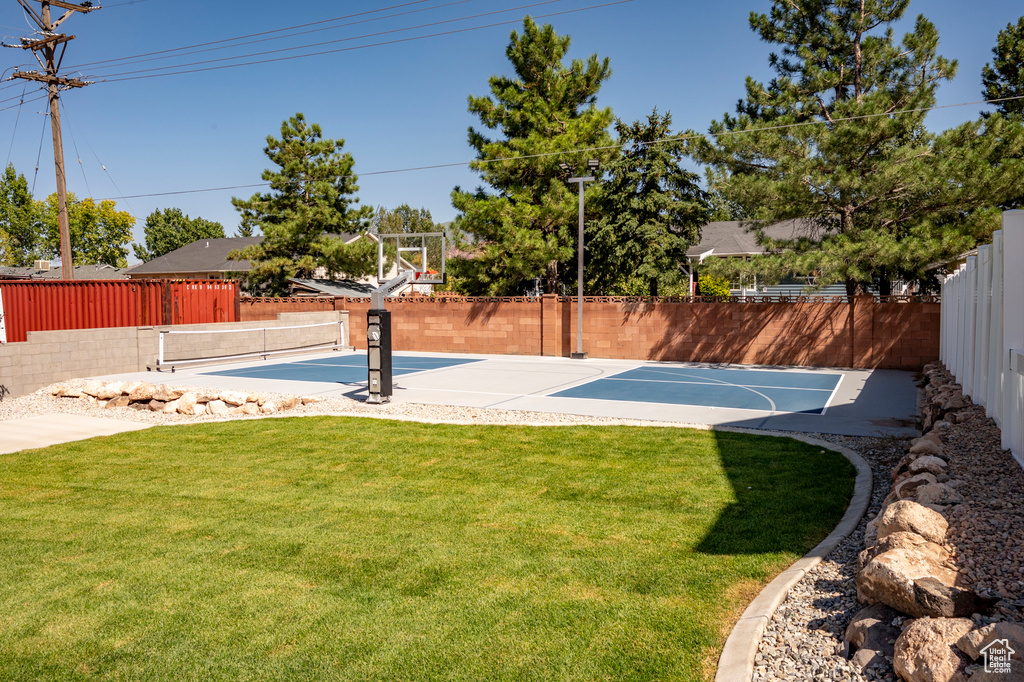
(788, 495)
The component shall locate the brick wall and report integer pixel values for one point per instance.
(814, 333)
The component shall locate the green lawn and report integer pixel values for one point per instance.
(351, 549)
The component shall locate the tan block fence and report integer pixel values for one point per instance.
(824, 332)
(51, 356)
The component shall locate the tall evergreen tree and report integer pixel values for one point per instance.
(838, 138)
(312, 196)
(651, 210)
(1004, 76)
(169, 229)
(20, 229)
(527, 220)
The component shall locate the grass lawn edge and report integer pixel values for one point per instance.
(737, 659)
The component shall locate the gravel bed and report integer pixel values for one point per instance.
(41, 402)
(802, 639)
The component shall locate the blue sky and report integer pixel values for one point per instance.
(398, 105)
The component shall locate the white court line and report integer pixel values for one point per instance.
(720, 381)
(834, 390)
(708, 383)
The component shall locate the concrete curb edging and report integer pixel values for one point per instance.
(737, 660)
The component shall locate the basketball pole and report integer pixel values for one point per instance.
(592, 165)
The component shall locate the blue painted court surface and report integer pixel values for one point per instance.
(789, 391)
(341, 369)
(769, 391)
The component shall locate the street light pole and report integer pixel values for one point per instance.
(592, 165)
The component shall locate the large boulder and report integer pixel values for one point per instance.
(217, 407)
(937, 493)
(165, 394)
(907, 488)
(928, 464)
(102, 390)
(927, 447)
(926, 650)
(974, 641)
(905, 540)
(889, 579)
(142, 392)
(907, 515)
(187, 404)
(870, 636)
(939, 599)
(234, 398)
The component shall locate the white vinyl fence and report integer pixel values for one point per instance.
(982, 340)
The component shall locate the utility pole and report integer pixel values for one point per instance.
(45, 50)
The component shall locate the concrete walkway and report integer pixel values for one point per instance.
(50, 429)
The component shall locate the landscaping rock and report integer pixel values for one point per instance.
(947, 601)
(928, 464)
(250, 409)
(157, 405)
(871, 636)
(268, 407)
(119, 401)
(142, 392)
(926, 652)
(167, 394)
(217, 407)
(170, 407)
(889, 579)
(907, 489)
(913, 517)
(288, 403)
(187, 404)
(926, 447)
(234, 398)
(906, 540)
(974, 641)
(937, 494)
(207, 395)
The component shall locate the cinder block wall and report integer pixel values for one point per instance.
(51, 356)
(864, 334)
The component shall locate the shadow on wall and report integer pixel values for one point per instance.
(811, 334)
(788, 495)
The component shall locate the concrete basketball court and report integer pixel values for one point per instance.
(809, 400)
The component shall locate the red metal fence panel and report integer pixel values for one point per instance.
(93, 304)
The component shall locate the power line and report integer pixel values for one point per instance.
(108, 79)
(110, 76)
(18, 118)
(677, 138)
(261, 33)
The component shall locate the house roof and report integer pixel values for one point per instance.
(202, 255)
(84, 272)
(735, 238)
(331, 287)
(207, 255)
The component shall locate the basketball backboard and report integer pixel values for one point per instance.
(422, 253)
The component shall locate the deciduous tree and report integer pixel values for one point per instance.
(20, 230)
(542, 115)
(311, 197)
(169, 229)
(100, 234)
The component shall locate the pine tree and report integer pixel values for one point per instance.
(1004, 77)
(651, 211)
(169, 229)
(527, 221)
(838, 138)
(312, 196)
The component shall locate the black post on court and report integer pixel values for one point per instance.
(378, 341)
(378, 355)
